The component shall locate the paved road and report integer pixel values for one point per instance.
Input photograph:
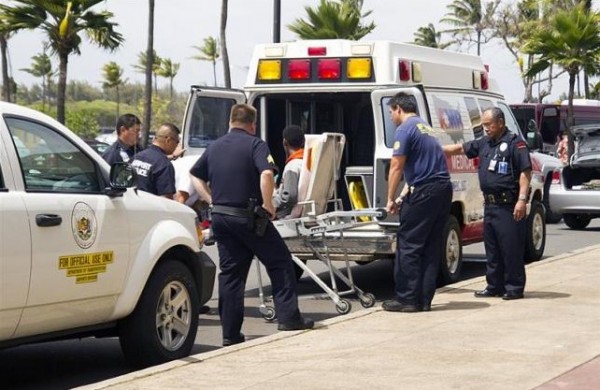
(67, 364)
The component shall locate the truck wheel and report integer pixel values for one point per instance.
(551, 216)
(452, 255)
(577, 221)
(536, 232)
(164, 323)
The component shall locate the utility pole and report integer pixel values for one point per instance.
(276, 21)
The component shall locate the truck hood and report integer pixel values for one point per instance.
(587, 146)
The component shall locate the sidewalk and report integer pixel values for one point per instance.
(549, 340)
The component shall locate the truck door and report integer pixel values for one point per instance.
(384, 136)
(207, 116)
(79, 235)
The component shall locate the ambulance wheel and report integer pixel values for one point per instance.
(343, 307)
(452, 253)
(368, 300)
(164, 323)
(269, 314)
(536, 232)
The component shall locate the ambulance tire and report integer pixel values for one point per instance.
(144, 341)
(536, 233)
(451, 262)
(551, 217)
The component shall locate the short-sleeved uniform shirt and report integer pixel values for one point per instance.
(425, 159)
(155, 173)
(183, 182)
(232, 165)
(500, 162)
(119, 152)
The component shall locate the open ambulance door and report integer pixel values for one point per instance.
(207, 116)
(384, 139)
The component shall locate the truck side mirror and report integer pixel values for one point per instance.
(532, 126)
(122, 176)
(534, 140)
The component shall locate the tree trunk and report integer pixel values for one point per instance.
(6, 83)
(148, 87)
(226, 71)
(478, 43)
(61, 89)
(571, 143)
(118, 101)
(44, 93)
(586, 85)
(171, 89)
(215, 72)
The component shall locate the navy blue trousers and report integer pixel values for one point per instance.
(504, 240)
(237, 247)
(420, 242)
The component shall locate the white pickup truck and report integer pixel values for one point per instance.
(83, 254)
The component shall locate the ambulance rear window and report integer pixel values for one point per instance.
(209, 120)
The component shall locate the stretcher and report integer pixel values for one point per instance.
(314, 228)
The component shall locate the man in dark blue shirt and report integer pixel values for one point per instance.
(504, 177)
(126, 145)
(155, 172)
(425, 206)
(236, 171)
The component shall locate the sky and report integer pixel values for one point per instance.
(181, 24)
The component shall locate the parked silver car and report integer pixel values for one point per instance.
(575, 188)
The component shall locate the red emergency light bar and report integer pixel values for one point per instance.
(299, 69)
(317, 51)
(404, 70)
(329, 68)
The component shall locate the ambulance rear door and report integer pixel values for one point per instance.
(384, 137)
(207, 116)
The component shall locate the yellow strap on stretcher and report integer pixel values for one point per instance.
(358, 198)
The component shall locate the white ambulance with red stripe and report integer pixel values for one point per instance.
(343, 86)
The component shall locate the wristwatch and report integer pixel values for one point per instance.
(522, 197)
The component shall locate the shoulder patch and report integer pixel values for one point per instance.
(396, 145)
(521, 145)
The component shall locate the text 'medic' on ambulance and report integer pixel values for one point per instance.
(344, 86)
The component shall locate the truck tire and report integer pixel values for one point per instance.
(551, 217)
(577, 221)
(536, 233)
(452, 253)
(164, 323)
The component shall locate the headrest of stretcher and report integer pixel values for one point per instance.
(320, 171)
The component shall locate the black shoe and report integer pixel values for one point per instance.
(204, 309)
(426, 308)
(394, 305)
(486, 294)
(240, 339)
(509, 296)
(301, 324)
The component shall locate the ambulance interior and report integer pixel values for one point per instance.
(349, 113)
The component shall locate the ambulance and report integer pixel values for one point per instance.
(343, 86)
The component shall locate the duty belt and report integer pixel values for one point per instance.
(506, 197)
(232, 211)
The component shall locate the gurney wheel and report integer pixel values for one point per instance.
(368, 300)
(269, 313)
(343, 307)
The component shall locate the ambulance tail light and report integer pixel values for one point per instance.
(556, 177)
(484, 81)
(359, 68)
(404, 70)
(269, 70)
(329, 68)
(298, 69)
(317, 51)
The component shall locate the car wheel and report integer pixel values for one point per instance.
(164, 323)
(577, 221)
(536, 232)
(551, 216)
(452, 256)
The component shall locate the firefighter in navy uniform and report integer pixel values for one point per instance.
(504, 177)
(236, 175)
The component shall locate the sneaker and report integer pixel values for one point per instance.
(301, 324)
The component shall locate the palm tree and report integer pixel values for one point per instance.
(469, 17)
(209, 52)
(41, 66)
(63, 22)
(570, 39)
(140, 67)
(224, 53)
(113, 78)
(6, 31)
(168, 69)
(428, 36)
(333, 19)
(149, 66)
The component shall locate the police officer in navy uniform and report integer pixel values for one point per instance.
(126, 145)
(236, 171)
(155, 172)
(424, 207)
(504, 177)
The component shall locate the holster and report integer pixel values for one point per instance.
(261, 220)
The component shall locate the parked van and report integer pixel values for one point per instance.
(344, 86)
